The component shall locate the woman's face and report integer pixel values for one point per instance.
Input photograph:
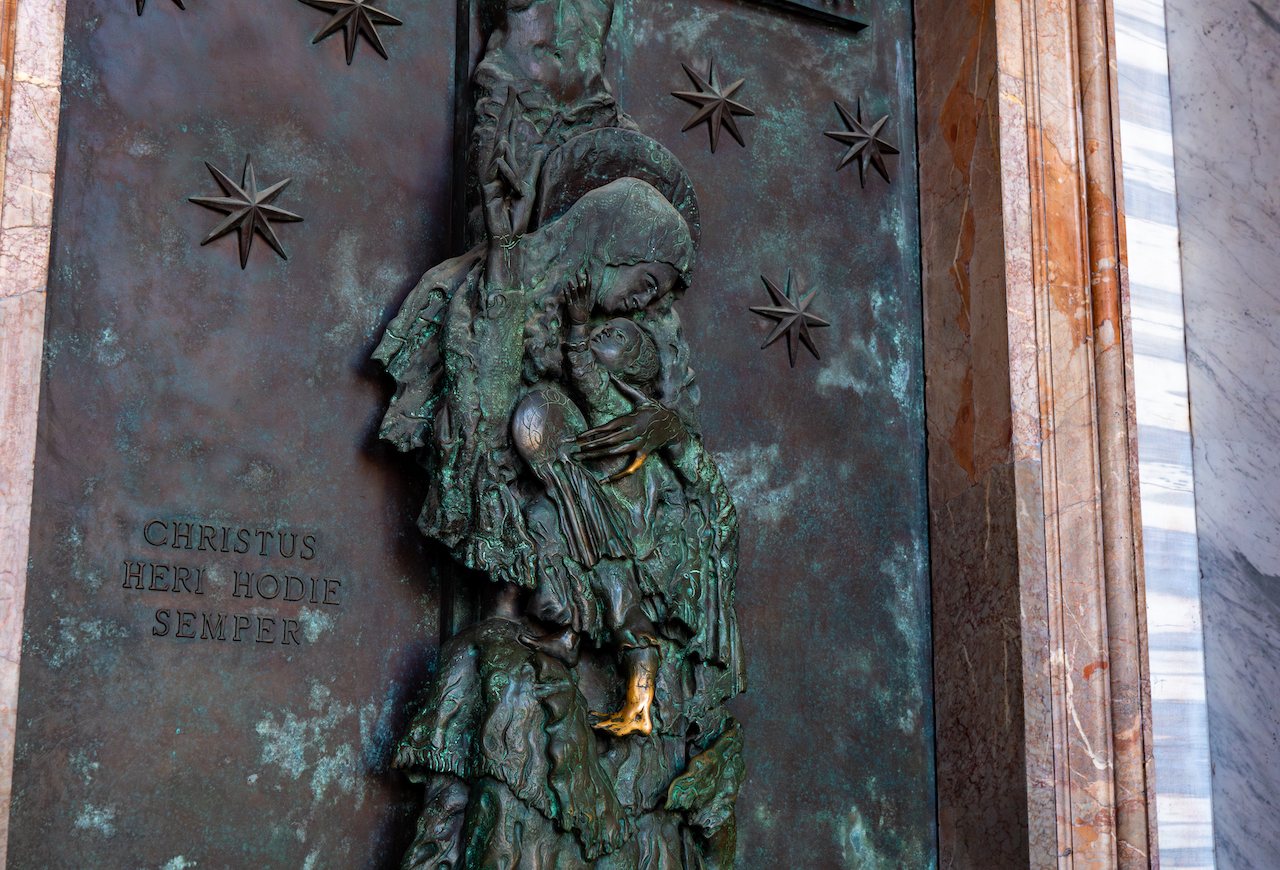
(631, 288)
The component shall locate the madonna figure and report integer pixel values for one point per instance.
(544, 384)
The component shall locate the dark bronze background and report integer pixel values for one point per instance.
(179, 387)
(826, 460)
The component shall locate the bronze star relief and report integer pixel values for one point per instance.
(714, 105)
(864, 143)
(354, 18)
(791, 310)
(248, 210)
(142, 4)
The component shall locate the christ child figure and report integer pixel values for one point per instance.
(609, 367)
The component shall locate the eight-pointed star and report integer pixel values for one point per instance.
(864, 144)
(794, 319)
(714, 105)
(248, 210)
(143, 3)
(353, 17)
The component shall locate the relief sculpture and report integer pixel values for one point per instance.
(545, 386)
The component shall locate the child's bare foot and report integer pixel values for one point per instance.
(634, 717)
(625, 722)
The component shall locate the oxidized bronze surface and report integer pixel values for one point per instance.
(825, 461)
(179, 388)
(232, 616)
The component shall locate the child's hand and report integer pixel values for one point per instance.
(578, 299)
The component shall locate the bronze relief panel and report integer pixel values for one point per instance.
(481, 532)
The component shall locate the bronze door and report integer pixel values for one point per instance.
(230, 613)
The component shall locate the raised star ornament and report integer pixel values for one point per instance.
(791, 310)
(142, 4)
(714, 105)
(248, 210)
(353, 18)
(864, 143)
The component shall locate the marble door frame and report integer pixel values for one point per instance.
(32, 89)
(1043, 700)
(1039, 599)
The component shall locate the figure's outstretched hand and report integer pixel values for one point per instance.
(509, 182)
(651, 426)
(577, 299)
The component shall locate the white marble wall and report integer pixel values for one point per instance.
(1226, 135)
(1183, 801)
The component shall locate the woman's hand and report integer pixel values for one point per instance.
(577, 299)
(651, 426)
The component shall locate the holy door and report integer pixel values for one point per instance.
(480, 437)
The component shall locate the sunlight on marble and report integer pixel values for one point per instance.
(1175, 626)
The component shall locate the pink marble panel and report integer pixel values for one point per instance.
(1066, 524)
(1027, 430)
(29, 157)
(978, 673)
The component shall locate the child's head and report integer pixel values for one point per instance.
(626, 351)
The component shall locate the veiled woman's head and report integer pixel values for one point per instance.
(633, 243)
(637, 249)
